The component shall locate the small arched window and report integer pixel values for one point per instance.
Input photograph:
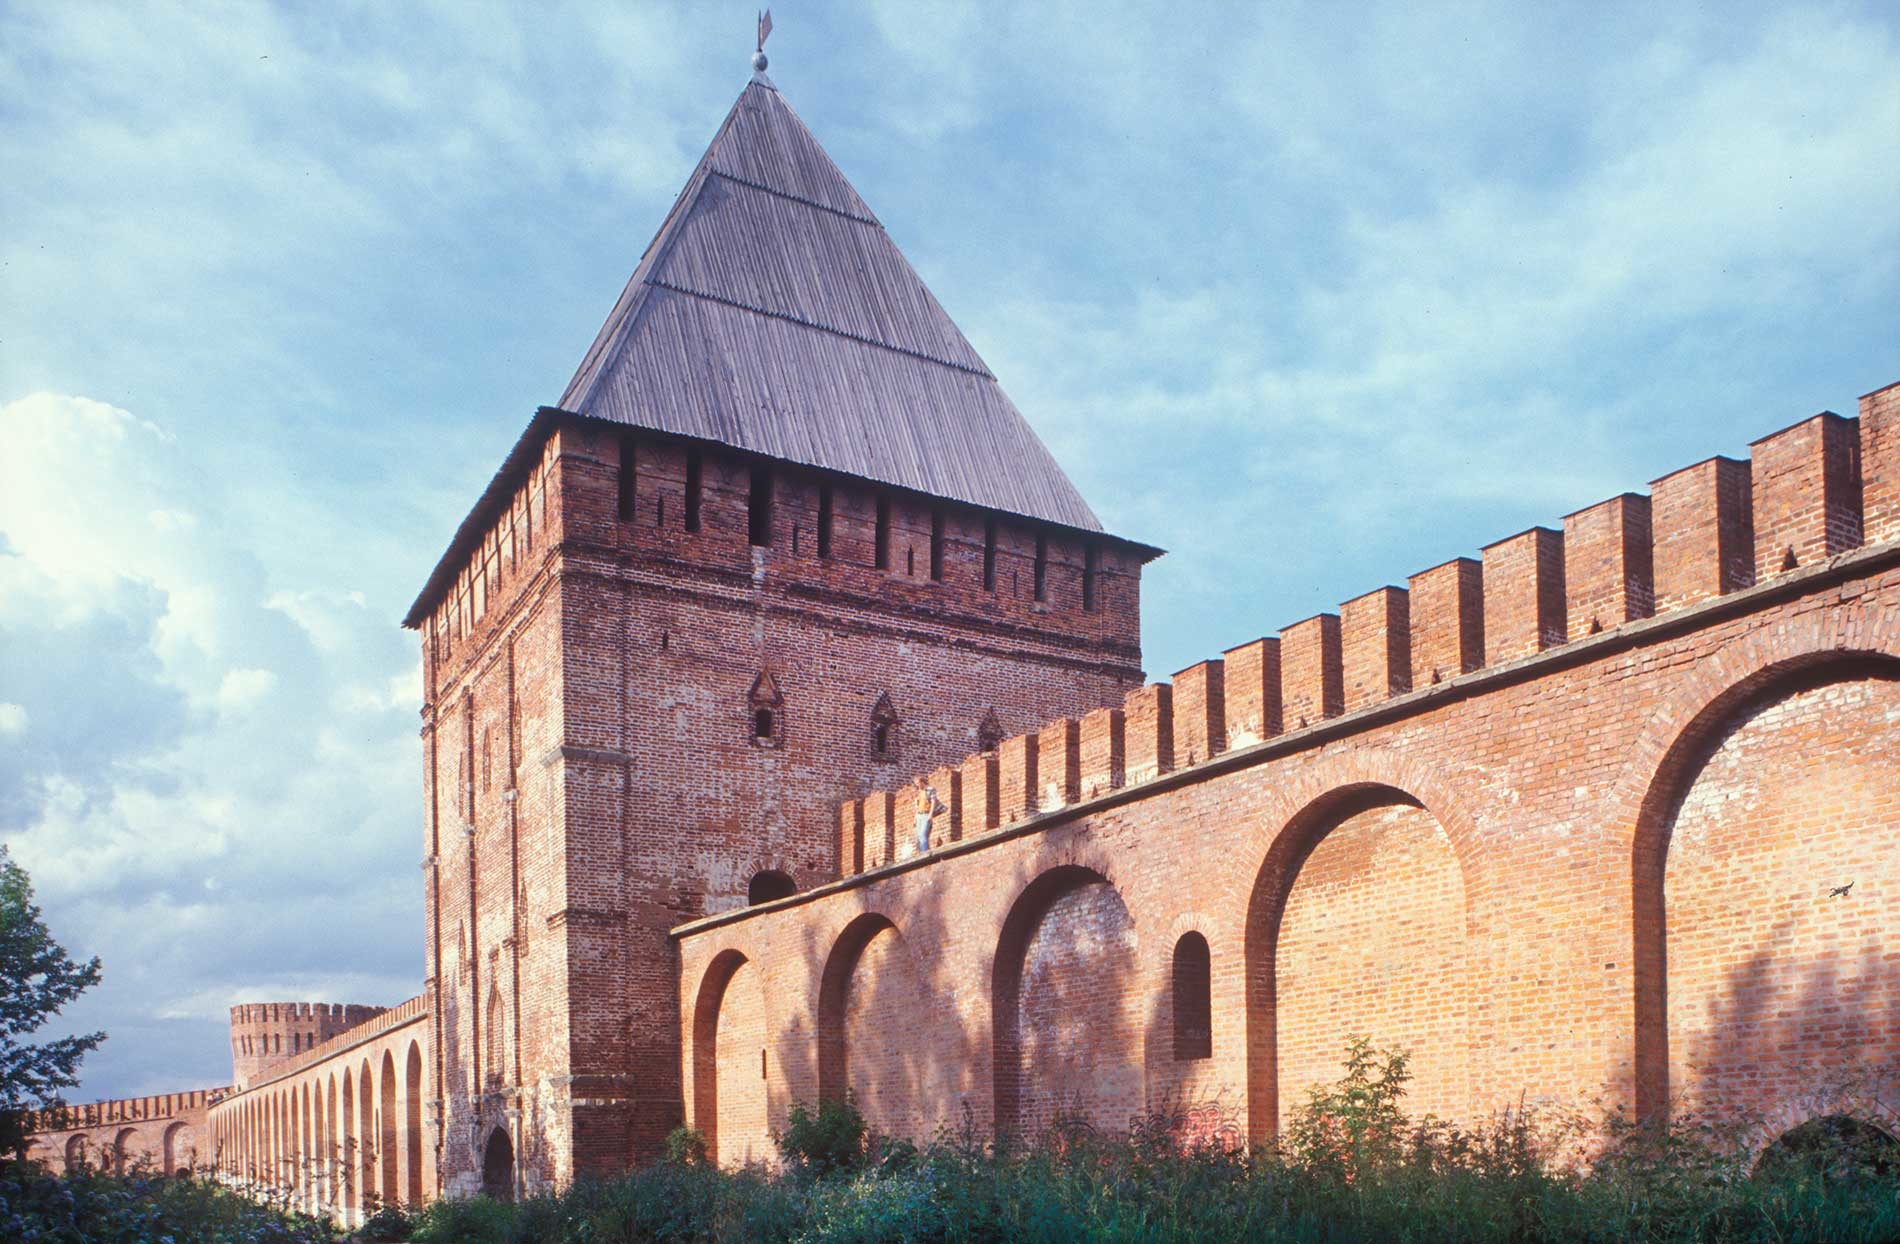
(768, 885)
(767, 709)
(884, 730)
(1193, 1000)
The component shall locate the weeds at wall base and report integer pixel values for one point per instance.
(1354, 1167)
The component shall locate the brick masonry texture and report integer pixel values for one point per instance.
(1566, 822)
(165, 1133)
(1590, 853)
(630, 722)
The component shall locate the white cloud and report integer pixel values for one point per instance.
(242, 689)
(183, 798)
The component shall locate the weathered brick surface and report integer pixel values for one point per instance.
(1880, 464)
(1073, 1049)
(1776, 984)
(1447, 610)
(629, 720)
(1058, 764)
(740, 1126)
(1580, 864)
(1807, 493)
(1560, 842)
(1375, 646)
(1523, 595)
(1703, 524)
(1103, 751)
(1251, 691)
(1200, 713)
(1608, 577)
(1148, 723)
(1372, 940)
(1310, 674)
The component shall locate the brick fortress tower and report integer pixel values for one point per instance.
(266, 1035)
(783, 541)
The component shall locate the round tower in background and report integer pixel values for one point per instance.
(266, 1034)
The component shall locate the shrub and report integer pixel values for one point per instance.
(389, 1222)
(686, 1146)
(1355, 1126)
(834, 1140)
(470, 1220)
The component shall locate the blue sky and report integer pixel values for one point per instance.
(1315, 296)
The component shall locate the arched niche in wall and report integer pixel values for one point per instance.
(1065, 1007)
(768, 885)
(1762, 891)
(1357, 925)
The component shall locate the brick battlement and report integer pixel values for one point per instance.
(264, 1034)
(124, 1110)
(589, 488)
(1815, 490)
(374, 1022)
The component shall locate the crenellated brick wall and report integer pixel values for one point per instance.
(1567, 822)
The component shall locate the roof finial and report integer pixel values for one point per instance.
(765, 29)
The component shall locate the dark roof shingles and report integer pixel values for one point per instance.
(772, 313)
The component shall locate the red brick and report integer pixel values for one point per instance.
(1447, 611)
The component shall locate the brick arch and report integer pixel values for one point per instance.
(389, 1146)
(412, 1125)
(710, 1007)
(1330, 793)
(351, 1138)
(1717, 684)
(768, 885)
(1863, 1107)
(833, 988)
(1669, 756)
(1072, 904)
(366, 1136)
(332, 1129)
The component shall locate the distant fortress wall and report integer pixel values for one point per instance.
(165, 1131)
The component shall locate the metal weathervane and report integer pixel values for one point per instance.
(765, 31)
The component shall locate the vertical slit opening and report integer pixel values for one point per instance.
(692, 490)
(759, 508)
(881, 551)
(1091, 562)
(989, 555)
(824, 522)
(625, 501)
(936, 545)
(1042, 567)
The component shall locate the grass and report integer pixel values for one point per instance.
(1353, 1167)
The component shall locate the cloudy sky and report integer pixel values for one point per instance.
(1315, 296)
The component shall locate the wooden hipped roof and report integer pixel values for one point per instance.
(773, 314)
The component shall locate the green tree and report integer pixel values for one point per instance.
(37, 979)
